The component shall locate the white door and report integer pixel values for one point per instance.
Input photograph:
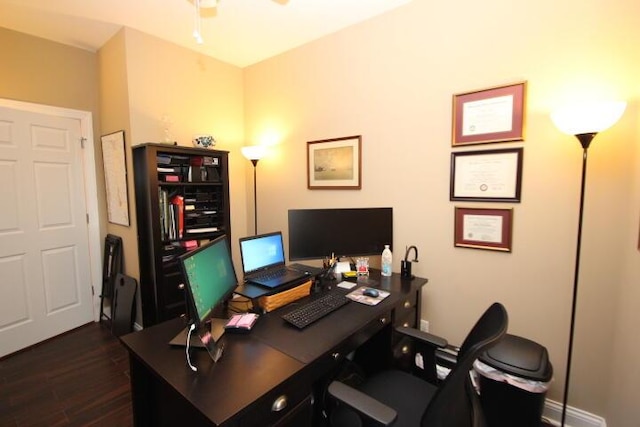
(45, 278)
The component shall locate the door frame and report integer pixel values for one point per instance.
(90, 185)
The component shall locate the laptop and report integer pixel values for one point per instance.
(263, 261)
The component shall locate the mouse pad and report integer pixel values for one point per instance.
(358, 296)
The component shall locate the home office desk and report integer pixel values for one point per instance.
(271, 376)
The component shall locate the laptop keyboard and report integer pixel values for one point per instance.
(272, 274)
(306, 314)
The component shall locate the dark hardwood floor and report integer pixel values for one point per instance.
(80, 378)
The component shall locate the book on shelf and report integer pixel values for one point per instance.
(202, 230)
(178, 202)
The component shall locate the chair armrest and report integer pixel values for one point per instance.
(424, 337)
(363, 403)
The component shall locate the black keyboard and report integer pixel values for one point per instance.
(306, 314)
(272, 274)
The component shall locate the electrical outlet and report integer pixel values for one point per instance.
(424, 325)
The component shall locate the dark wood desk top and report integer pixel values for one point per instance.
(275, 356)
(248, 369)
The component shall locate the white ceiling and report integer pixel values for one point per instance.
(240, 32)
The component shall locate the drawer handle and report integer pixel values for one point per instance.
(181, 286)
(406, 324)
(335, 355)
(407, 304)
(383, 320)
(279, 404)
(405, 349)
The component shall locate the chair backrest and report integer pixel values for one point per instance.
(456, 404)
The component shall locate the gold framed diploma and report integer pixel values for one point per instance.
(490, 115)
(482, 228)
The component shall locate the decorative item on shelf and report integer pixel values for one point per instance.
(405, 264)
(167, 123)
(584, 121)
(204, 141)
(254, 153)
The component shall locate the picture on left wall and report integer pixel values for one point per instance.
(115, 176)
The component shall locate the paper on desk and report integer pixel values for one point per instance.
(346, 285)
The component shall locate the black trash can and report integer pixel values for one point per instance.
(514, 377)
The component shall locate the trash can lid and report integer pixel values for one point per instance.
(520, 357)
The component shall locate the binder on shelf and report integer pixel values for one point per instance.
(178, 202)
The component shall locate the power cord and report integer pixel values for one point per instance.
(191, 329)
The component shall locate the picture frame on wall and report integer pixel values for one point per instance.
(482, 228)
(115, 176)
(488, 175)
(335, 163)
(490, 115)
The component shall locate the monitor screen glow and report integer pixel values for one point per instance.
(210, 278)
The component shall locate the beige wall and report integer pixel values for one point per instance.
(391, 80)
(44, 72)
(143, 81)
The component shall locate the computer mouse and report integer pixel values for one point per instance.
(370, 292)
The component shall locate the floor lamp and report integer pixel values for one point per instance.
(254, 153)
(584, 121)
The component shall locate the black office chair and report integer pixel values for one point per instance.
(400, 399)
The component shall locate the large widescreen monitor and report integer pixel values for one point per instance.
(319, 233)
(210, 278)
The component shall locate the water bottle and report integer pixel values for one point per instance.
(387, 261)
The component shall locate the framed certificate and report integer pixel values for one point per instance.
(483, 228)
(490, 175)
(490, 115)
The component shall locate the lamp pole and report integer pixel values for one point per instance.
(585, 139)
(255, 197)
(583, 120)
(254, 153)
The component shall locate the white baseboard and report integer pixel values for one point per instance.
(575, 417)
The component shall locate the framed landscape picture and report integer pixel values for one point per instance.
(334, 163)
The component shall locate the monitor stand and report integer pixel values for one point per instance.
(212, 338)
(216, 327)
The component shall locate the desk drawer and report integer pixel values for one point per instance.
(403, 354)
(406, 308)
(288, 402)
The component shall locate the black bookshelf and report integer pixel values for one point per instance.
(182, 202)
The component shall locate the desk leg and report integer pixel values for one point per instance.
(142, 394)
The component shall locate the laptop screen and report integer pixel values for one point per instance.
(210, 277)
(261, 252)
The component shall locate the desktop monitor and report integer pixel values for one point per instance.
(210, 278)
(319, 233)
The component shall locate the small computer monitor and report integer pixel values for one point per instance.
(210, 278)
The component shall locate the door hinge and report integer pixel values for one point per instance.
(93, 293)
(87, 218)
(82, 141)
